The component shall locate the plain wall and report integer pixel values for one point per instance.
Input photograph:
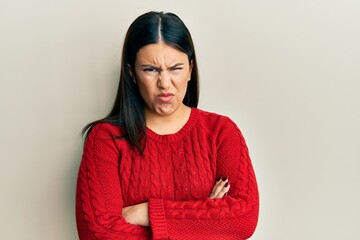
(287, 72)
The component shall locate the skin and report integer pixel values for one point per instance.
(220, 189)
(163, 70)
(162, 73)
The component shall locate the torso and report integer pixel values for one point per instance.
(179, 166)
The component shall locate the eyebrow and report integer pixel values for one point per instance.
(149, 65)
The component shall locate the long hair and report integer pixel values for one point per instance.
(128, 108)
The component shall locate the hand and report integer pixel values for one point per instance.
(220, 189)
(137, 214)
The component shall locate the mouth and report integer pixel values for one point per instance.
(165, 97)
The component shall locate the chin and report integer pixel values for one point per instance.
(166, 111)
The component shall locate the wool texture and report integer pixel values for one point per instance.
(175, 175)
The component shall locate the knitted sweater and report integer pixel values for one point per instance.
(175, 174)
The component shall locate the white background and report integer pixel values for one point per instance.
(287, 72)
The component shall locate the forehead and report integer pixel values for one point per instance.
(160, 53)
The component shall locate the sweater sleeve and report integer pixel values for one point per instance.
(98, 194)
(231, 217)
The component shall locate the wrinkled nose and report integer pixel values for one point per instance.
(164, 80)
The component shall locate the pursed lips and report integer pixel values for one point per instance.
(165, 97)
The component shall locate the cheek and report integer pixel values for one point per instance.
(181, 83)
(147, 91)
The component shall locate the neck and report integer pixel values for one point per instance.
(167, 124)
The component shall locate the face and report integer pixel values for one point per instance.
(162, 73)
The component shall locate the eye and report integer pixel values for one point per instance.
(176, 68)
(151, 69)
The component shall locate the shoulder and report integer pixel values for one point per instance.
(104, 132)
(103, 143)
(105, 129)
(223, 129)
(215, 122)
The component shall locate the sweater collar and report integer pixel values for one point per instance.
(166, 138)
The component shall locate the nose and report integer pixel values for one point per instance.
(164, 80)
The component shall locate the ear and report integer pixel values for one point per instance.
(191, 68)
(131, 72)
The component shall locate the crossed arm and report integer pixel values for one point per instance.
(138, 214)
(100, 214)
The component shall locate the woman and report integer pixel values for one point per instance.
(157, 167)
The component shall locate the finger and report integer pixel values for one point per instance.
(216, 185)
(219, 188)
(224, 190)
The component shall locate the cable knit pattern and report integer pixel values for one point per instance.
(175, 175)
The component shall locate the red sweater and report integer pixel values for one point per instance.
(175, 175)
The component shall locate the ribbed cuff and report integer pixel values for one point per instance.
(157, 219)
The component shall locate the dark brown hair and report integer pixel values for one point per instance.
(128, 108)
